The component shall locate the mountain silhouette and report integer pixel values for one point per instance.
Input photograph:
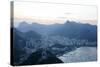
(18, 45)
(41, 56)
(33, 35)
(69, 29)
(77, 30)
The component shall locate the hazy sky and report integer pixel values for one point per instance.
(51, 13)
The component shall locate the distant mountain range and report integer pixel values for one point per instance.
(69, 29)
